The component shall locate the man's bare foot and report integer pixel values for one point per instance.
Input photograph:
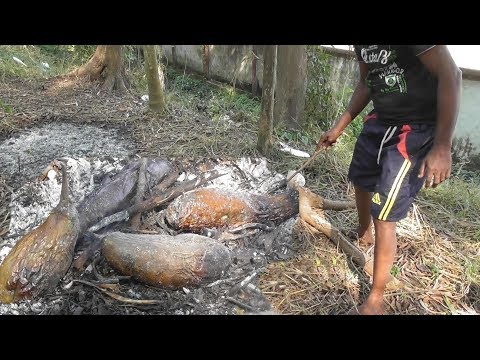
(364, 237)
(372, 306)
(370, 309)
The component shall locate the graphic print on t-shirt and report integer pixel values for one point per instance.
(400, 86)
(387, 76)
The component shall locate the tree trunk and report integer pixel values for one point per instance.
(155, 79)
(206, 60)
(291, 85)
(106, 65)
(254, 71)
(264, 144)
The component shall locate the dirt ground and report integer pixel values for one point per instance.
(318, 280)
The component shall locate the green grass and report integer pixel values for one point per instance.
(395, 271)
(457, 194)
(455, 204)
(472, 267)
(195, 92)
(60, 59)
(7, 108)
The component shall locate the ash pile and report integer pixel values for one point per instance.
(146, 236)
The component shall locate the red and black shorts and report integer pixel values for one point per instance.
(386, 162)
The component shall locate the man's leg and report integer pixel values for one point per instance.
(363, 200)
(396, 189)
(363, 173)
(385, 249)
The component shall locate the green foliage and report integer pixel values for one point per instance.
(356, 126)
(187, 83)
(436, 271)
(395, 270)
(295, 136)
(473, 270)
(133, 56)
(7, 108)
(217, 100)
(455, 204)
(325, 101)
(60, 60)
(244, 102)
(319, 94)
(75, 53)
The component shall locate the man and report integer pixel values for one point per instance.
(406, 141)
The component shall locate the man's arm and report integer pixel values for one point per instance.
(360, 98)
(438, 162)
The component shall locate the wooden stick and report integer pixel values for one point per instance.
(120, 297)
(305, 164)
(165, 183)
(240, 304)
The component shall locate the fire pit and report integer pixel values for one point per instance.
(98, 288)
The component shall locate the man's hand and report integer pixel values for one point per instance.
(328, 139)
(436, 166)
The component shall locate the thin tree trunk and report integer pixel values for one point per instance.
(254, 70)
(264, 144)
(155, 79)
(206, 60)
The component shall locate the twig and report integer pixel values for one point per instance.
(221, 281)
(117, 217)
(95, 272)
(244, 282)
(165, 183)
(105, 280)
(242, 305)
(242, 173)
(119, 297)
(248, 279)
(305, 164)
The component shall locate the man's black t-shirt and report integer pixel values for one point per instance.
(402, 90)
